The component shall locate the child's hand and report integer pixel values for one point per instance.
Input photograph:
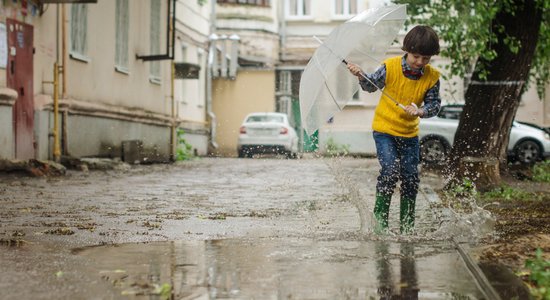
(355, 70)
(413, 110)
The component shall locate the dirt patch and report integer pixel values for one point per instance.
(522, 224)
(522, 213)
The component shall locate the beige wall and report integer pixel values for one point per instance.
(253, 91)
(532, 109)
(193, 28)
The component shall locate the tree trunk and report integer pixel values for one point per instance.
(491, 104)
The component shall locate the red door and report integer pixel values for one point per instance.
(19, 78)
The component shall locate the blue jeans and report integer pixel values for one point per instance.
(399, 158)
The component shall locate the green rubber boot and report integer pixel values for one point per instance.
(406, 215)
(381, 212)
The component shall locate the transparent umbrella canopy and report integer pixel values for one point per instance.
(326, 85)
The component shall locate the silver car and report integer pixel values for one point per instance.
(267, 132)
(527, 144)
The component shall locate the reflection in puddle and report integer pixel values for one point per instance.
(283, 269)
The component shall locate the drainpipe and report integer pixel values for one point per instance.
(62, 69)
(282, 33)
(173, 143)
(210, 61)
(56, 149)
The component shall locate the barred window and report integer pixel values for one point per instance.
(79, 29)
(154, 38)
(121, 43)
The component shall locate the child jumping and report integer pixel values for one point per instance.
(414, 84)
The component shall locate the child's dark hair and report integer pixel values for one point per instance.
(421, 40)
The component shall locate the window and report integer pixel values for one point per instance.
(122, 24)
(285, 83)
(249, 2)
(298, 8)
(79, 29)
(345, 8)
(154, 38)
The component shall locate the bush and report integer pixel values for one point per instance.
(184, 150)
(334, 149)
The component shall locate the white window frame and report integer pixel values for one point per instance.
(154, 40)
(346, 9)
(300, 11)
(285, 82)
(79, 32)
(122, 20)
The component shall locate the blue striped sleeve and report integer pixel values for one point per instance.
(432, 102)
(378, 78)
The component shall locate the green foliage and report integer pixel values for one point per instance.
(184, 150)
(468, 26)
(508, 193)
(539, 279)
(541, 171)
(465, 189)
(164, 291)
(334, 149)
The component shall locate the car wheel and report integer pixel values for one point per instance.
(291, 155)
(433, 150)
(527, 152)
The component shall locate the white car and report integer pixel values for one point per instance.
(267, 132)
(527, 144)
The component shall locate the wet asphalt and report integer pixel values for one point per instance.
(262, 228)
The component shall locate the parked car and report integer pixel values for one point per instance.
(267, 132)
(527, 144)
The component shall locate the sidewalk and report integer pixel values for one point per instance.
(241, 228)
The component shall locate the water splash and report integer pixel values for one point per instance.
(462, 219)
(353, 194)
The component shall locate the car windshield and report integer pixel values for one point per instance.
(265, 119)
(450, 112)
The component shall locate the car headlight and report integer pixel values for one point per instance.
(547, 136)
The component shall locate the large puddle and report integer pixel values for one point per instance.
(283, 269)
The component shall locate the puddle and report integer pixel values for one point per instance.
(283, 269)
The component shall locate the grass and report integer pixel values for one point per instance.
(506, 192)
(539, 277)
(541, 171)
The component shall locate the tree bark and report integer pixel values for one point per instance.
(491, 104)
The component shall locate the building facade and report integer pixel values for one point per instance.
(116, 93)
(243, 79)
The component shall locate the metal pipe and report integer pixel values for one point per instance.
(173, 142)
(210, 62)
(63, 51)
(56, 149)
(63, 70)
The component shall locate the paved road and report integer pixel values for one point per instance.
(263, 228)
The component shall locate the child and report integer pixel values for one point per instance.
(412, 82)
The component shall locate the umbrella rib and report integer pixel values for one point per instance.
(383, 92)
(343, 60)
(332, 96)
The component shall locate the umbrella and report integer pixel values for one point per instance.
(326, 84)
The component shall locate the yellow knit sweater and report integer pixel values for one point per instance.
(390, 118)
